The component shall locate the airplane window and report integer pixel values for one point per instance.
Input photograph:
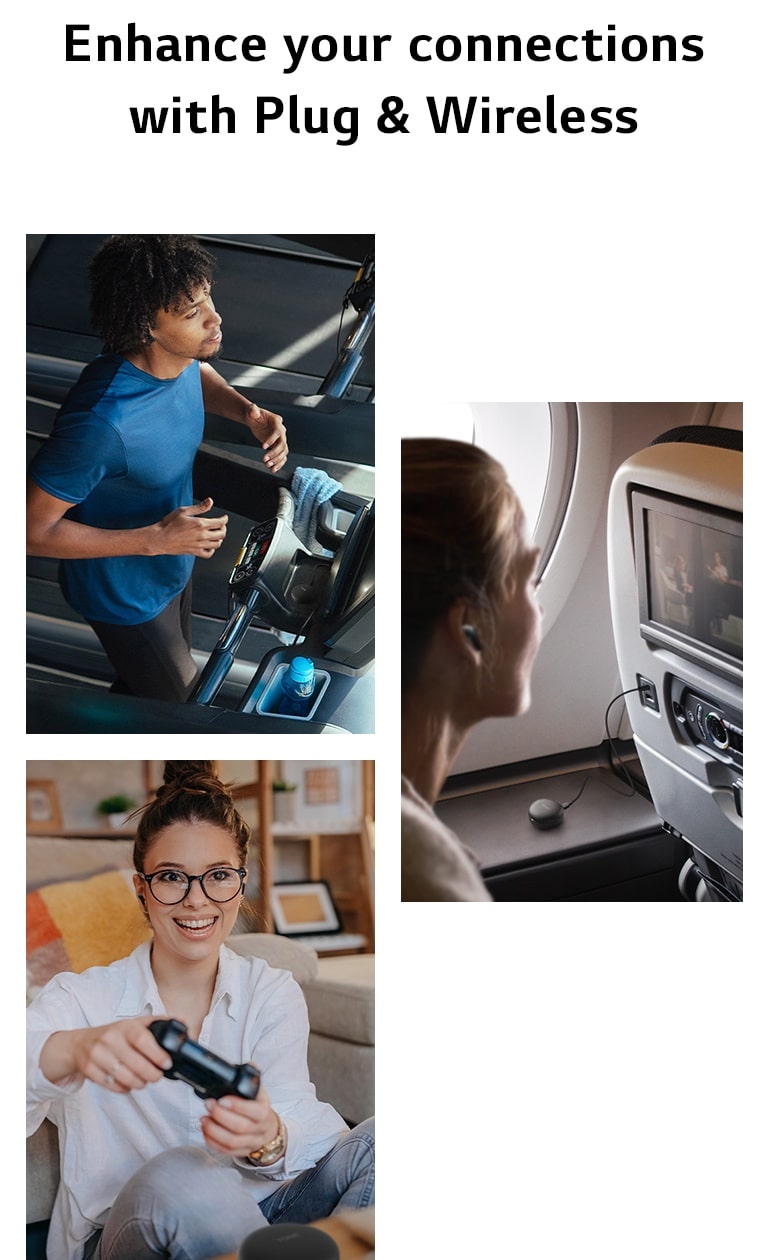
(444, 420)
(535, 443)
(519, 435)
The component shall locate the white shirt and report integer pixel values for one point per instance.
(257, 1014)
(435, 865)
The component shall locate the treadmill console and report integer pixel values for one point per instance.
(252, 555)
(289, 580)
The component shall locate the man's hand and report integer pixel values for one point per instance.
(224, 400)
(268, 429)
(182, 532)
(186, 532)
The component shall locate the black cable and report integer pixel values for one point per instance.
(578, 794)
(632, 786)
(344, 307)
(627, 775)
(715, 884)
(300, 632)
(709, 880)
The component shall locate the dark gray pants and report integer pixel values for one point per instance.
(153, 660)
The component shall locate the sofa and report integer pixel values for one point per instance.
(63, 875)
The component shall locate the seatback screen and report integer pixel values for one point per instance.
(694, 578)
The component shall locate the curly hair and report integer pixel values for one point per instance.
(191, 793)
(134, 277)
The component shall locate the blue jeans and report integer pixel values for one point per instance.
(186, 1205)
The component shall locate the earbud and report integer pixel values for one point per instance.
(471, 634)
(141, 899)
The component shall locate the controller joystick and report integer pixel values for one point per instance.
(209, 1075)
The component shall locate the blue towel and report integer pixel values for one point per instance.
(311, 487)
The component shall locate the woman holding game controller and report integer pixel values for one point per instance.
(470, 629)
(148, 1168)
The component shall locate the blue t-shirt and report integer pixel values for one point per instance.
(121, 452)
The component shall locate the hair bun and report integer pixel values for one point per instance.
(196, 777)
(180, 771)
(191, 793)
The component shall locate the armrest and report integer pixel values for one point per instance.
(278, 951)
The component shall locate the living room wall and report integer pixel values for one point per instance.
(78, 786)
(74, 789)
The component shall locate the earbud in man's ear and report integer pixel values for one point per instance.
(472, 636)
(141, 899)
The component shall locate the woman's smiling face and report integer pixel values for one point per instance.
(195, 927)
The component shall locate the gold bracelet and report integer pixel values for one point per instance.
(272, 1151)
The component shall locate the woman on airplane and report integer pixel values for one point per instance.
(470, 633)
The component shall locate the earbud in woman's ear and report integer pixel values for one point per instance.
(471, 634)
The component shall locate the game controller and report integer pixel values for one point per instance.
(209, 1076)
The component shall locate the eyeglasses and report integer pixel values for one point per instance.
(220, 884)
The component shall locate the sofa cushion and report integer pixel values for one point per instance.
(278, 951)
(340, 999)
(51, 859)
(343, 1075)
(42, 1172)
(81, 923)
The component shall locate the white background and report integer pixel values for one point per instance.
(552, 1079)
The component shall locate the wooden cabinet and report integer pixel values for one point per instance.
(284, 850)
(344, 859)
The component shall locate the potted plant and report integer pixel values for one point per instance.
(116, 809)
(283, 801)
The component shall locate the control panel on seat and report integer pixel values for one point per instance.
(708, 724)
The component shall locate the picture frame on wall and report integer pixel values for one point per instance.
(43, 812)
(329, 794)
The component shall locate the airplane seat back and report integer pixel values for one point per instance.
(675, 572)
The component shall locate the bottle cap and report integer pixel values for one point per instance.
(302, 670)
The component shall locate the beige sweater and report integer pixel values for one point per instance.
(435, 865)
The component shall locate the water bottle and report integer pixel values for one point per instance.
(298, 688)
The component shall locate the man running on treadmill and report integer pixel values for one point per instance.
(110, 492)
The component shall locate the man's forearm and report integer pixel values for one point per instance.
(266, 427)
(69, 540)
(221, 398)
